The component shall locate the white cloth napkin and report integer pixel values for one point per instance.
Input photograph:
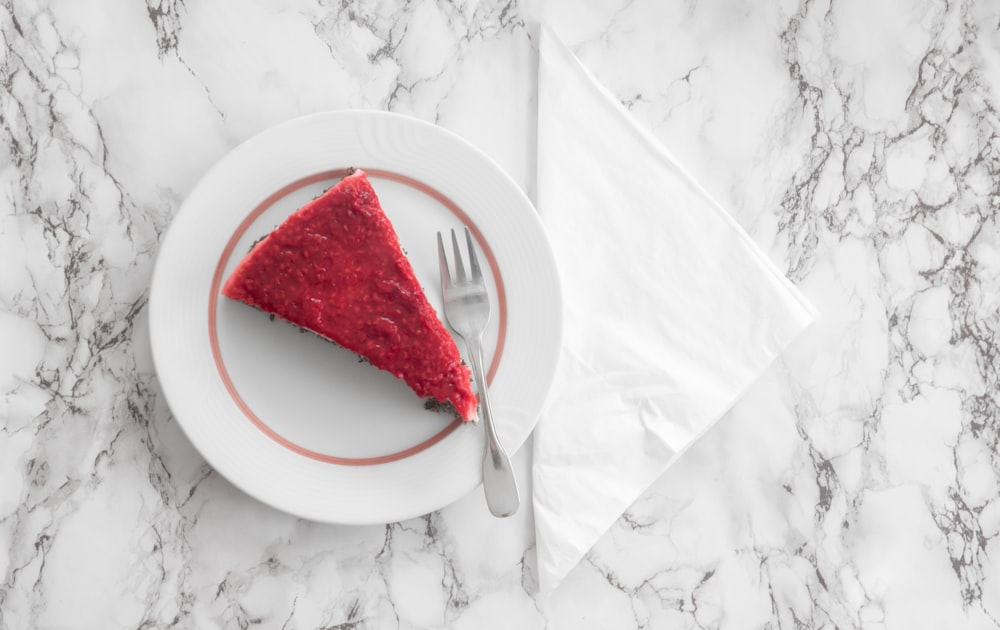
(671, 312)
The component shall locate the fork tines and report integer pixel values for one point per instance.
(460, 274)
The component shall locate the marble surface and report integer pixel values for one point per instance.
(855, 486)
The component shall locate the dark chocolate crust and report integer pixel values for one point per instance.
(430, 404)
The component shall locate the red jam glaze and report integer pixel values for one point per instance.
(335, 267)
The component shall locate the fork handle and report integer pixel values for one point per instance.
(499, 483)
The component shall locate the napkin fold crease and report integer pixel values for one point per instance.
(671, 311)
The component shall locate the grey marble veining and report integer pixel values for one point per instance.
(854, 487)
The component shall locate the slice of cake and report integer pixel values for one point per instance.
(335, 267)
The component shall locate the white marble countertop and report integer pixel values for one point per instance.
(858, 143)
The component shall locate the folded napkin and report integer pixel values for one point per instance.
(671, 312)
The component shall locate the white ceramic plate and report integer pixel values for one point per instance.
(296, 422)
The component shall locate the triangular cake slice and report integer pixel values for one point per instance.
(335, 267)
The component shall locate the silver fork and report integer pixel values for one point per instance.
(467, 309)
